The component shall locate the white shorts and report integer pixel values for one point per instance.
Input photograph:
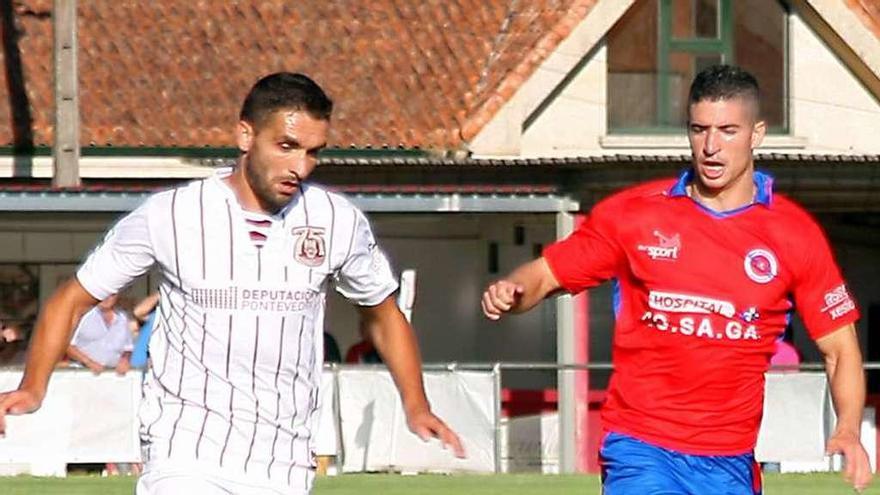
(167, 479)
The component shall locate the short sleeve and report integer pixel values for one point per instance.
(125, 253)
(77, 332)
(365, 277)
(821, 297)
(590, 255)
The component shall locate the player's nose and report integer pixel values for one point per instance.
(710, 144)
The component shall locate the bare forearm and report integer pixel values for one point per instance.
(847, 381)
(52, 335)
(77, 354)
(400, 352)
(393, 337)
(536, 281)
(843, 363)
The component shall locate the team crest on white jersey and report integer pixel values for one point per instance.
(761, 265)
(666, 248)
(309, 248)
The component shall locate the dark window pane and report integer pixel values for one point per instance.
(632, 68)
(634, 75)
(694, 19)
(759, 47)
(682, 69)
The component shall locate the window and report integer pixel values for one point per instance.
(658, 46)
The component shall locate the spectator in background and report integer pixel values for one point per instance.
(786, 355)
(103, 339)
(363, 351)
(144, 314)
(13, 345)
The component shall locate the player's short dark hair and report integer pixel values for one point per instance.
(285, 91)
(724, 82)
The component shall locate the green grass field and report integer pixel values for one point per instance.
(520, 484)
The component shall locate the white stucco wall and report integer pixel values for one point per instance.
(830, 108)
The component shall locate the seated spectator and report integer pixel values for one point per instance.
(786, 357)
(363, 352)
(145, 316)
(13, 345)
(103, 339)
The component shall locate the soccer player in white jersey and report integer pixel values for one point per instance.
(246, 258)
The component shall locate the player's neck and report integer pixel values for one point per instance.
(244, 193)
(736, 196)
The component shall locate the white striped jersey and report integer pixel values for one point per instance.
(237, 347)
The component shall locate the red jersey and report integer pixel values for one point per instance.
(703, 297)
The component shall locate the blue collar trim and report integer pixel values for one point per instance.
(763, 186)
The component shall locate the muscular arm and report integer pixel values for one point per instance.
(843, 363)
(50, 341)
(521, 290)
(393, 337)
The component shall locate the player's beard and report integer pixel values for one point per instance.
(271, 201)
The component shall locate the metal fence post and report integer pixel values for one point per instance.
(496, 378)
(565, 355)
(337, 413)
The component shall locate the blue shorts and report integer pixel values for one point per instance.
(631, 466)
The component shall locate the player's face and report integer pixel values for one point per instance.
(722, 135)
(279, 153)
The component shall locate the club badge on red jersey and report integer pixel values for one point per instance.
(761, 265)
(309, 248)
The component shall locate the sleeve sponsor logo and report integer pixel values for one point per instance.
(761, 265)
(838, 302)
(682, 303)
(666, 247)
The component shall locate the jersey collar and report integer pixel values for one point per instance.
(763, 186)
(220, 183)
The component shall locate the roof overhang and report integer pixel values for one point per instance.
(822, 183)
(91, 201)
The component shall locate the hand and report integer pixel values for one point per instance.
(427, 426)
(123, 366)
(858, 467)
(17, 402)
(96, 367)
(500, 297)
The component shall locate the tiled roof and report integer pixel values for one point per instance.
(868, 12)
(166, 73)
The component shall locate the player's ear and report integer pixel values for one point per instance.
(244, 136)
(759, 130)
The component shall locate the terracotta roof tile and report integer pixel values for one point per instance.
(169, 73)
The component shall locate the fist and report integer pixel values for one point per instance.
(500, 298)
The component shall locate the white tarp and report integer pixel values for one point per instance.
(530, 443)
(796, 418)
(88, 418)
(326, 434)
(84, 418)
(375, 436)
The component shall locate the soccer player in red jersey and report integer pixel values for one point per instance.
(709, 265)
